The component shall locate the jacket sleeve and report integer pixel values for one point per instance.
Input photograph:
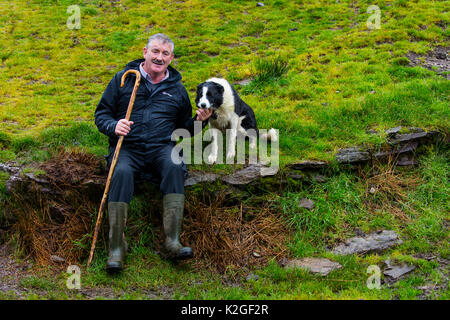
(105, 113)
(185, 120)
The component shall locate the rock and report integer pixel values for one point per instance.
(372, 190)
(407, 137)
(406, 161)
(392, 131)
(296, 176)
(441, 55)
(249, 174)
(195, 177)
(57, 259)
(359, 232)
(407, 148)
(374, 242)
(394, 272)
(315, 265)
(319, 178)
(243, 82)
(256, 254)
(309, 165)
(260, 4)
(293, 29)
(252, 276)
(352, 156)
(307, 204)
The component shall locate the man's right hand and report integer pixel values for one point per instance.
(123, 127)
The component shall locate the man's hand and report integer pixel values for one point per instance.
(123, 127)
(203, 114)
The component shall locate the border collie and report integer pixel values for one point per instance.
(230, 112)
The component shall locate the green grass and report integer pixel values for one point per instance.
(54, 76)
(318, 74)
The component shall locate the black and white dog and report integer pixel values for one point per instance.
(230, 112)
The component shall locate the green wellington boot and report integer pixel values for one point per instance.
(173, 206)
(117, 212)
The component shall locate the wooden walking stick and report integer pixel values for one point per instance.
(114, 161)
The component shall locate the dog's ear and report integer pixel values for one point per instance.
(199, 87)
(220, 88)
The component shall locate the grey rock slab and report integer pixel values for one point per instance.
(249, 174)
(243, 82)
(198, 177)
(309, 165)
(393, 130)
(406, 161)
(315, 265)
(307, 204)
(252, 276)
(374, 242)
(394, 272)
(407, 148)
(352, 155)
(57, 259)
(407, 137)
(319, 178)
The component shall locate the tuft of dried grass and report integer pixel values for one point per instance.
(56, 219)
(234, 236)
(387, 189)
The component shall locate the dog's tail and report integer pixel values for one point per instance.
(271, 135)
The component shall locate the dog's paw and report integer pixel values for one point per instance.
(212, 158)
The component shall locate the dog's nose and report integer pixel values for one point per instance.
(202, 105)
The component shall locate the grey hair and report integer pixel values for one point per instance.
(162, 38)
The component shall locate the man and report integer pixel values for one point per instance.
(162, 105)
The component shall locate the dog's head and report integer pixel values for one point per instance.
(209, 95)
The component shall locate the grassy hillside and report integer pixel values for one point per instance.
(339, 82)
(343, 79)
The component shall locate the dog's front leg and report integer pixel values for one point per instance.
(214, 146)
(231, 151)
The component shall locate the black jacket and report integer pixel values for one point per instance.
(155, 114)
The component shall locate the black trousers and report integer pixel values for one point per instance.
(156, 161)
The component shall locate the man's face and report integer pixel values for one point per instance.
(158, 56)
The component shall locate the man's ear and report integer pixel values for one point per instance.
(171, 57)
(144, 51)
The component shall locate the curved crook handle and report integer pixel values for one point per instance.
(133, 95)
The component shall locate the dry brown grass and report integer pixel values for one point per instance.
(55, 218)
(234, 236)
(60, 221)
(387, 188)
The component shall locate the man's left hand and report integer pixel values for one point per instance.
(203, 114)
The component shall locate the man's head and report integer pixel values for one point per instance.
(158, 53)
